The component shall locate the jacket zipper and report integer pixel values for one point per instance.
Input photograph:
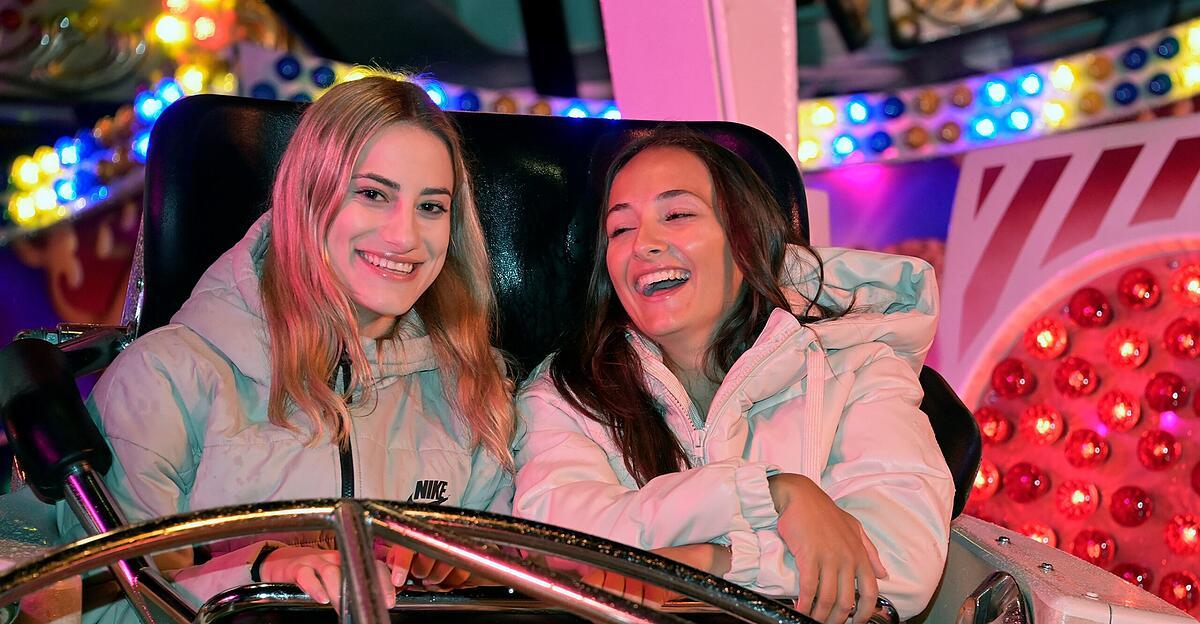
(699, 428)
(345, 454)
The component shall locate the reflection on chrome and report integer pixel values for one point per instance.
(455, 536)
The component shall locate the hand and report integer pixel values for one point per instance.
(712, 558)
(634, 590)
(433, 574)
(318, 572)
(833, 554)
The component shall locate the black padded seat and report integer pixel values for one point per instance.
(213, 158)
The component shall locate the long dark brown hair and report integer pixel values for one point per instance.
(598, 371)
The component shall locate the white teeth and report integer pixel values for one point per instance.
(660, 276)
(384, 263)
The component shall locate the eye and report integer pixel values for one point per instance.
(671, 216)
(370, 194)
(618, 231)
(432, 207)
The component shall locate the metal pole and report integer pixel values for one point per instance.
(361, 602)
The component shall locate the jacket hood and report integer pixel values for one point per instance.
(226, 309)
(893, 299)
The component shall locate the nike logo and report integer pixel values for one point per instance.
(429, 491)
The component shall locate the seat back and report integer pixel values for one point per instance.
(212, 161)
(537, 183)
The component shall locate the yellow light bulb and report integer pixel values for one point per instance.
(1190, 75)
(1063, 77)
(204, 27)
(809, 150)
(1054, 112)
(170, 29)
(25, 173)
(176, 6)
(47, 160)
(45, 199)
(21, 208)
(823, 115)
(226, 84)
(1193, 39)
(191, 78)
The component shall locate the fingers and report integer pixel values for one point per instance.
(843, 604)
(808, 573)
(614, 583)
(656, 597)
(827, 593)
(437, 574)
(330, 575)
(868, 592)
(386, 588)
(306, 579)
(399, 562)
(457, 578)
(873, 555)
(421, 566)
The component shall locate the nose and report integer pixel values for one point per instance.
(399, 228)
(650, 241)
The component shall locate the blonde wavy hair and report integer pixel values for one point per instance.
(309, 314)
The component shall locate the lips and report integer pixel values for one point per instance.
(661, 281)
(390, 265)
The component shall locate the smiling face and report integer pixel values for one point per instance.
(668, 257)
(388, 241)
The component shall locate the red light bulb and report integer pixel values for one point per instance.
(1045, 338)
(1012, 378)
(1135, 574)
(1041, 424)
(1041, 533)
(1131, 506)
(1119, 410)
(1126, 348)
(1138, 289)
(1089, 307)
(1075, 377)
(1085, 448)
(1185, 284)
(1094, 546)
(987, 480)
(1181, 589)
(1182, 338)
(1158, 450)
(1166, 391)
(1183, 534)
(993, 425)
(1025, 482)
(1077, 499)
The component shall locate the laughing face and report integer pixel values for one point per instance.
(388, 240)
(668, 257)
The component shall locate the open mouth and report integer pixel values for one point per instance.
(662, 281)
(391, 266)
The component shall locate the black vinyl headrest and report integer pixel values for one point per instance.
(213, 158)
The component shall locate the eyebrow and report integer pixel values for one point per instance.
(395, 186)
(392, 184)
(671, 194)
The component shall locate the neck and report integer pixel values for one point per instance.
(373, 326)
(688, 365)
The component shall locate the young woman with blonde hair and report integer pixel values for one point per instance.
(341, 349)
